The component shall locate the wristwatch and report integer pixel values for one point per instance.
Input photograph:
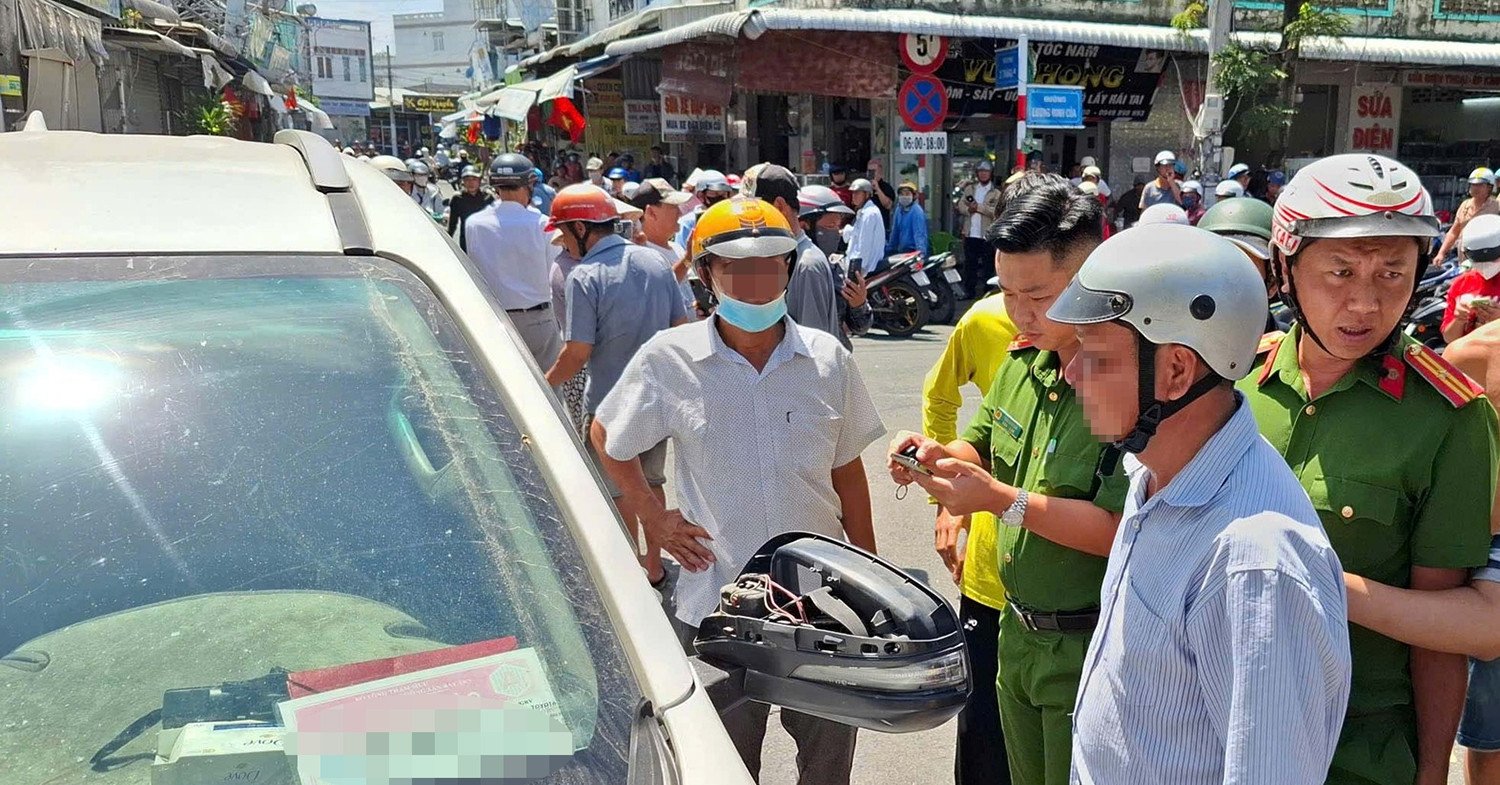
(1015, 514)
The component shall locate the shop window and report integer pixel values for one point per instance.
(1471, 10)
(1358, 7)
(347, 75)
(363, 76)
(437, 42)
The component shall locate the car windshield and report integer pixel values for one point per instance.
(245, 497)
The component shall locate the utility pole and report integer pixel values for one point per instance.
(1208, 128)
(390, 94)
(1023, 74)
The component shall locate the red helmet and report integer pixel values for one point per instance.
(582, 202)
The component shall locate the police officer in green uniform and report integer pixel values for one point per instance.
(1030, 458)
(1395, 447)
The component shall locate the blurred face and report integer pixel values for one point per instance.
(711, 198)
(1104, 374)
(656, 156)
(1164, 171)
(1353, 292)
(983, 175)
(596, 176)
(1243, 180)
(831, 221)
(837, 177)
(859, 198)
(1480, 191)
(616, 184)
(1029, 284)
(756, 281)
(471, 185)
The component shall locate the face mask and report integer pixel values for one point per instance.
(905, 200)
(751, 318)
(828, 241)
(1189, 202)
(422, 180)
(1488, 269)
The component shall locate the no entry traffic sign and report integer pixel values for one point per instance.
(923, 103)
(923, 53)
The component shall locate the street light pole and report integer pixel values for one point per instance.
(1023, 73)
(1208, 127)
(390, 97)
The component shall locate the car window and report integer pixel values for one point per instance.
(241, 496)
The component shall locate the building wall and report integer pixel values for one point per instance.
(1166, 129)
(432, 49)
(334, 41)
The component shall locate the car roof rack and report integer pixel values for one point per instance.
(325, 166)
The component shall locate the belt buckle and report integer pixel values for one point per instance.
(1026, 618)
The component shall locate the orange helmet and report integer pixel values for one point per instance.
(742, 227)
(582, 202)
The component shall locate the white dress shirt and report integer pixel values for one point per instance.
(867, 236)
(507, 243)
(1222, 652)
(976, 221)
(755, 450)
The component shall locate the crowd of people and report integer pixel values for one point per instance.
(1189, 549)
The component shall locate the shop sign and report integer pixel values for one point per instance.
(796, 62)
(930, 143)
(1119, 83)
(700, 70)
(642, 117)
(429, 104)
(1054, 106)
(344, 107)
(1462, 80)
(1374, 118)
(687, 119)
(607, 128)
(10, 84)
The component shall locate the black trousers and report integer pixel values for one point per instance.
(978, 264)
(981, 746)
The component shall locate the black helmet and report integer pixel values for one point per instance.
(831, 630)
(510, 170)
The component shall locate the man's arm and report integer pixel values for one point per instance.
(853, 488)
(1273, 668)
(1457, 621)
(1439, 682)
(665, 529)
(942, 394)
(1449, 240)
(574, 356)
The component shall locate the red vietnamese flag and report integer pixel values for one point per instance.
(291, 99)
(565, 115)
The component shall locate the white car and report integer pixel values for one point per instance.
(281, 489)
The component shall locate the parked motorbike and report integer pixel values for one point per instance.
(898, 300)
(942, 286)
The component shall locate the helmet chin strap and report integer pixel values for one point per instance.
(1153, 412)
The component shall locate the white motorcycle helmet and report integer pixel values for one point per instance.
(1172, 285)
(1163, 213)
(1348, 196)
(1229, 189)
(1481, 240)
(393, 168)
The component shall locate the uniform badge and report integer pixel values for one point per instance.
(1008, 423)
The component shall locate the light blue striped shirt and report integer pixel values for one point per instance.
(1222, 652)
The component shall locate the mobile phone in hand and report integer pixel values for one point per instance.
(908, 458)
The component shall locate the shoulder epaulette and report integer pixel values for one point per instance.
(1454, 385)
(1269, 341)
(1268, 348)
(1018, 344)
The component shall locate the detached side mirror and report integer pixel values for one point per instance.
(825, 628)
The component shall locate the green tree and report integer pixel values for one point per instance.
(1259, 81)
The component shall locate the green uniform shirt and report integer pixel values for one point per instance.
(1399, 475)
(1033, 430)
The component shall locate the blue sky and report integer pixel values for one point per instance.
(377, 12)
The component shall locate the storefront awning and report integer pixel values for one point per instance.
(149, 40)
(48, 25)
(662, 16)
(258, 84)
(514, 101)
(754, 23)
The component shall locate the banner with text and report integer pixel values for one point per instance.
(1374, 119)
(685, 119)
(1119, 83)
(642, 117)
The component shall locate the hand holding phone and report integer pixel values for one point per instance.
(908, 459)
